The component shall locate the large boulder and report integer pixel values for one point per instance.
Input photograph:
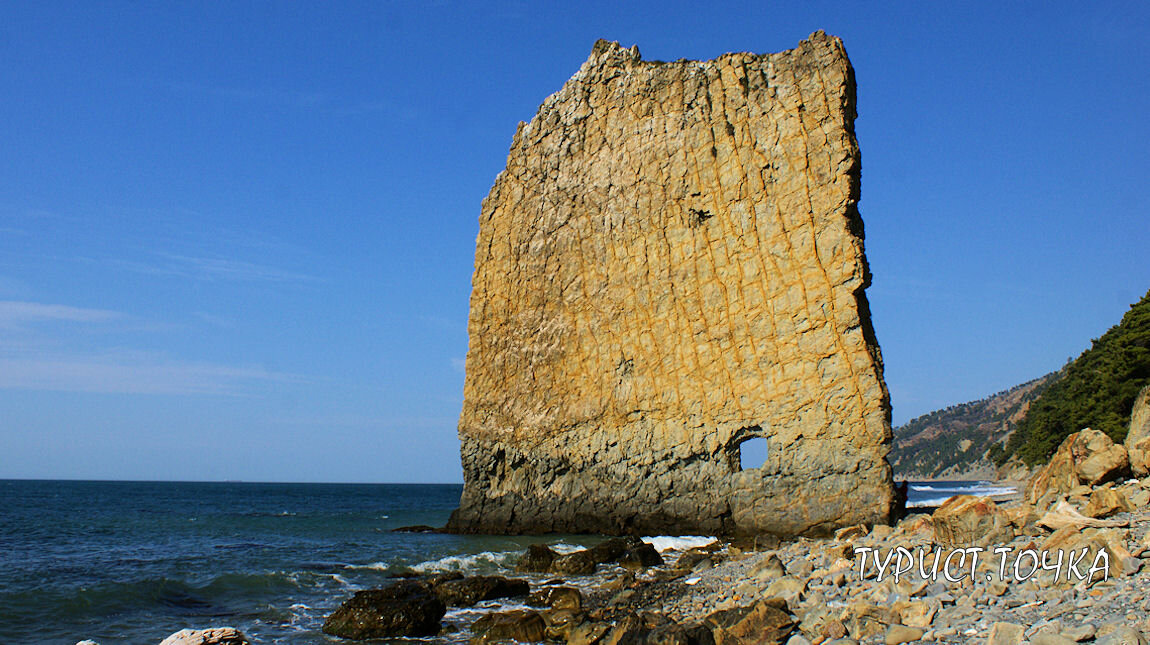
(538, 559)
(966, 520)
(210, 636)
(579, 563)
(641, 557)
(1088, 457)
(468, 591)
(408, 608)
(519, 625)
(1138, 436)
(611, 549)
(558, 598)
(1105, 502)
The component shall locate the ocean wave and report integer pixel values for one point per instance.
(484, 560)
(562, 548)
(678, 543)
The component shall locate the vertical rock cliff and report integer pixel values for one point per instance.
(672, 264)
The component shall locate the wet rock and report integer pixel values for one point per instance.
(588, 633)
(631, 630)
(518, 625)
(558, 598)
(468, 591)
(640, 557)
(560, 622)
(579, 563)
(612, 549)
(965, 520)
(417, 528)
(408, 608)
(538, 559)
(210, 636)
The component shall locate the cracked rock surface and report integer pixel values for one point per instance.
(670, 264)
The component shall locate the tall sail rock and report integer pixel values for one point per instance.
(670, 265)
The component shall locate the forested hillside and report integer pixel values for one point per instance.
(954, 442)
(1098, 390)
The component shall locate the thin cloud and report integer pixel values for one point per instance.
(15, 311)
(215, 269)
(123, 375)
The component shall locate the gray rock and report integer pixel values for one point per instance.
(1123, 635)
(210, 636)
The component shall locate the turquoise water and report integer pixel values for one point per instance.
(131, 562)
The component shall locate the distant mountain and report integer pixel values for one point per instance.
(963, 441)
(1027, 422)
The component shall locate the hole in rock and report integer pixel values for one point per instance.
(752, 453)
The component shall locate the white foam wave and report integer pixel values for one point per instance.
(562, 548)
(484, 559)
(678, 543)
(376, 566)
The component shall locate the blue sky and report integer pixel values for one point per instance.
(236, 239)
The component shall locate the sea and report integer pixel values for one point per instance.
(132, 562)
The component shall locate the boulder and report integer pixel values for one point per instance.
(537, 559)
(763, 622)
(588, 633)
(612, 549)
(407, 608)
(1123, 635)
(899, 634)
(1138, 435)
(579, 563)
(519, 625)
(771, 567)
(1063, 515)
(1088, 457)
(558, 598)
(966, 520)
(560, 623)
(210, 636)
(1105, 502)
(1005, 634)
(468, 591)
(864, 620)
(641, 557)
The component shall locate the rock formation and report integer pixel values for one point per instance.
(672, 264)
(1138, 436)
(1086, 458)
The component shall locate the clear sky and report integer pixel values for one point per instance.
(236, 239)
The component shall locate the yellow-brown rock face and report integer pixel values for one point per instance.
(671, 264)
